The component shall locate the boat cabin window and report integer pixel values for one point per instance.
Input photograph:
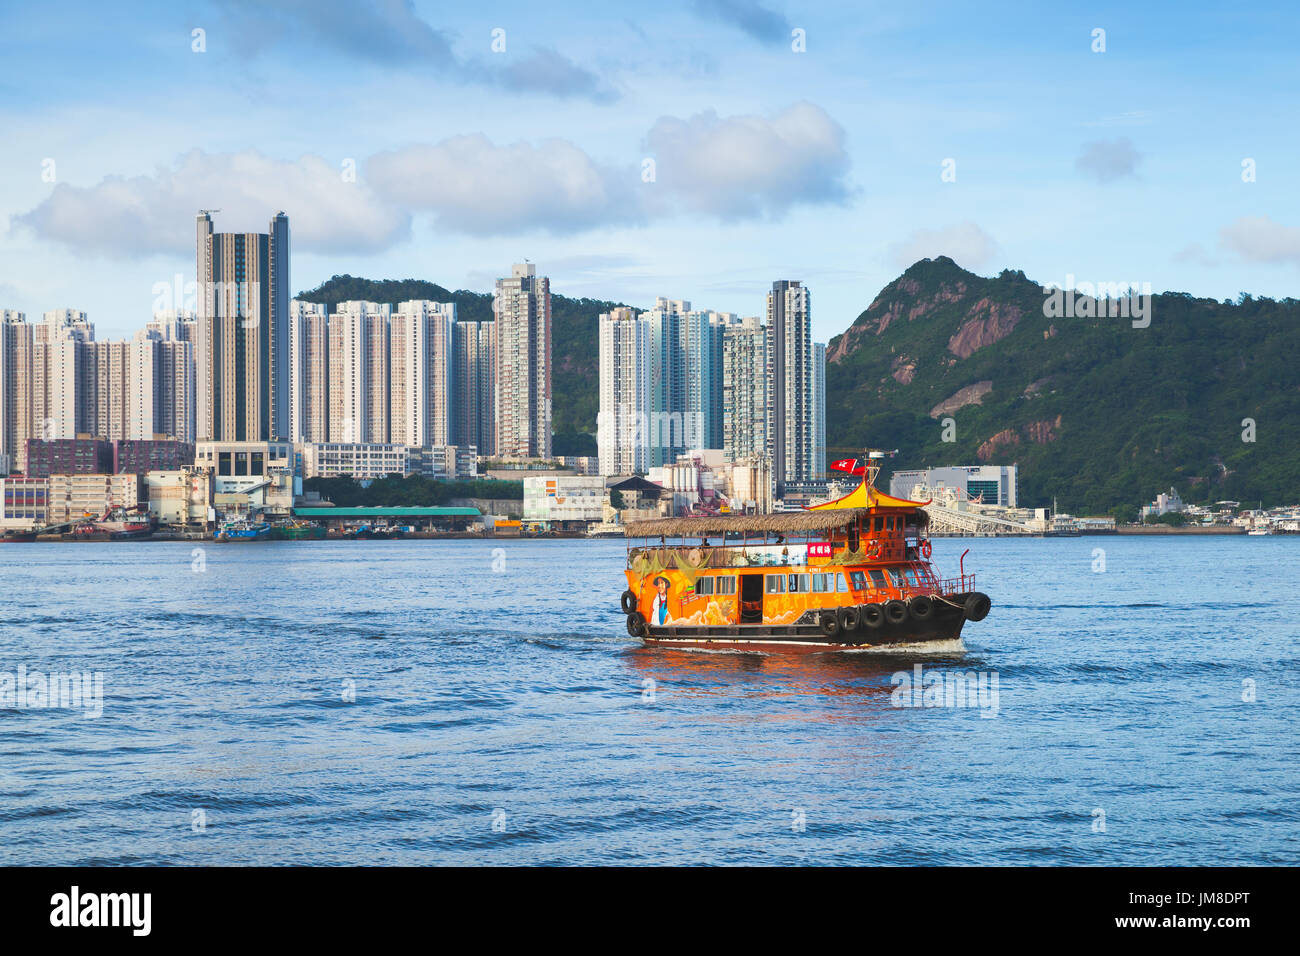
(821, 583)
(840, 584)
(726, 583)
(895, 577)
(878, 579)
(911, 576)
(798, 583)
(776, 584)
(703, 586)
(859, 580)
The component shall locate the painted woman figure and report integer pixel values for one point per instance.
(659, 609)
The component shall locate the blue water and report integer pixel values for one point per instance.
(502, 715)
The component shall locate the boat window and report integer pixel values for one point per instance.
(877, 524)
(726, 584)
(840, 584)
(895, 578)
(878, 579)
(776, 584)
(798, 584)
(911, 576)
(819, 583)
(704, 586)
(859, 580)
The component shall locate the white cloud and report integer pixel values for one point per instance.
(1195, 254)
(473, 186)
(965, 243)
(726, 167)
(392, 33)
(747, 166)
(1260, 239)
(546, 71)
(1108, 160)
(142, 215)
(748, 16)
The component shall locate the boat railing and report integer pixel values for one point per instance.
(730, 556)
(957, 585)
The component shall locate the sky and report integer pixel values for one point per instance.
(694, 149)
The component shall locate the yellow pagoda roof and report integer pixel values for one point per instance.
(867, 495)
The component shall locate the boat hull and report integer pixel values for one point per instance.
(944, 624)
(244, 534)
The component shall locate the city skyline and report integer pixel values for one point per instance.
(674, 379)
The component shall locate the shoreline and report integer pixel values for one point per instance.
(1135, 531)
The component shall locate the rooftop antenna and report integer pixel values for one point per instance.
(209, 212)
(875, 461)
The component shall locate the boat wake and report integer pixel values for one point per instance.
(914, 649)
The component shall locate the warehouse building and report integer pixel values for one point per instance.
(987, 484)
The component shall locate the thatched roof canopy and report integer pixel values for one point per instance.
(783, 522)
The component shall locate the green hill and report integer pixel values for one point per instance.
(1095, 412)
(575, 337)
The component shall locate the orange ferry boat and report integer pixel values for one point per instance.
(850, 573)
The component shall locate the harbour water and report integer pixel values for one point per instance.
(480, 702)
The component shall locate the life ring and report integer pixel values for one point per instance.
(628, 602)
(873, 548)
(926, 549)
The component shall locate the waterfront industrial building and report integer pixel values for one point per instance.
(985, 484)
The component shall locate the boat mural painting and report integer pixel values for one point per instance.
(850, 573)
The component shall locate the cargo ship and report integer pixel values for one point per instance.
(851, 573)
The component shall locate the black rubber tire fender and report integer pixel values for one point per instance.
(977, 606)
(921, 607)
(636, 624)
(873, 616)
(829, 622)
(628, 602)
(895, 611)
(849, 619)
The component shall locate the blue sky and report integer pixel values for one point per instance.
(823, 165)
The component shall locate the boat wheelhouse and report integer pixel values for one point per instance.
(849, 573)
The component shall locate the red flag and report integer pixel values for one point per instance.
(850, 465)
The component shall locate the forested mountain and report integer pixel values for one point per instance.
(1096, 412)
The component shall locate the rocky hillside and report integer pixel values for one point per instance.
(1095, 411)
